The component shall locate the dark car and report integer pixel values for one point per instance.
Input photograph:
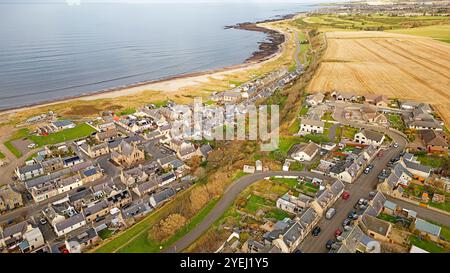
(346, 222)
(316, 231)
(329, 244)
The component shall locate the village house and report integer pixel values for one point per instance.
(435, 141)
(159, 198)
(71, 161)
(29, 171)
(9, 199)
(108, 135)
(369, 137)
(327, 197)
(306, 152)
(429, 229)
(69, 224)
(185, 150)
(69, 183)
(32, 239)
(95, 210)
(44, 191)
(127, 155)
(356, 241)
(120, 199)
(348, 170)
(378, 100)
(311, 126)
(293, 204)
(231, 96)
(95, 150)
(378, 229)
(84, 238)
(421, 119)
(134, 175)
(14, 234)
(62, 124)
(315, 99)
(344, 97)
(52, 164)
(419, 171)
(145, 187)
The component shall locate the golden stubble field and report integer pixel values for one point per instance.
(396, 65)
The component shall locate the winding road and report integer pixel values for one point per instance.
(227, 199)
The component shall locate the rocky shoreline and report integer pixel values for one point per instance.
(269, 47)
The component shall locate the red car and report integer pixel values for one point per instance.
(345, 195)
(338, 232)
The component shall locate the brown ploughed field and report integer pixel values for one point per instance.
(395, 65)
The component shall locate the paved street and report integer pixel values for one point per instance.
(226, 201)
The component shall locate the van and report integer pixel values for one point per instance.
(330, 213)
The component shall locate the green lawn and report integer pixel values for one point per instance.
(255, 202)
(396, 122)
(433, 161)
(317, 138)
(2, 155)
(426, 245)
(238, 175)
(443, 206)
(105, 233)
(21, 133)
(438, 32)
(387, 218)
(291, 182)
(80, 131)
(277, 214)
(349, 132)
(296, 166)
(328, 116)
(135, 239)
(286, 142)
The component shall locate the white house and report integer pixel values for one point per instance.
(306, 152)
(311, 126)
(29, 171)
(369, 137)
(69, 224)
(315, 99)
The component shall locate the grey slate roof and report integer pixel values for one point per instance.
(78, 218)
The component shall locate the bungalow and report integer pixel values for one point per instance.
(378, 100)
(29, 171)
(161, 197)
(95, 150)
(369, 137)
(426, 228)
(306, 152)
(315, 99)
(311, 126)
(248, 169)
(69, 224)
(62, 124)
(434, 141)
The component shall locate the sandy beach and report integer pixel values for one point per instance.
(178, 83)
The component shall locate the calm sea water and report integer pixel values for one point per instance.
(50, 51)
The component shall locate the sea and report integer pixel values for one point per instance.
(51, 51)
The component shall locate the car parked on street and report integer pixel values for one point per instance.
(346, 195)
(316, 231)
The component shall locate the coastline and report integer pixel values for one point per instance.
(268, 51)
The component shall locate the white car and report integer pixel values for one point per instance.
(395, 145)
(31, 145)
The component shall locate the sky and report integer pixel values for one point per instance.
(165, 1)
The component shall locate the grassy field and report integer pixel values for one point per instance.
(255, 202)
(433, 161)
(396, 122)
(438, 32)
(135, 239)
(371, 22)
(80, 131)
(21, 133)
